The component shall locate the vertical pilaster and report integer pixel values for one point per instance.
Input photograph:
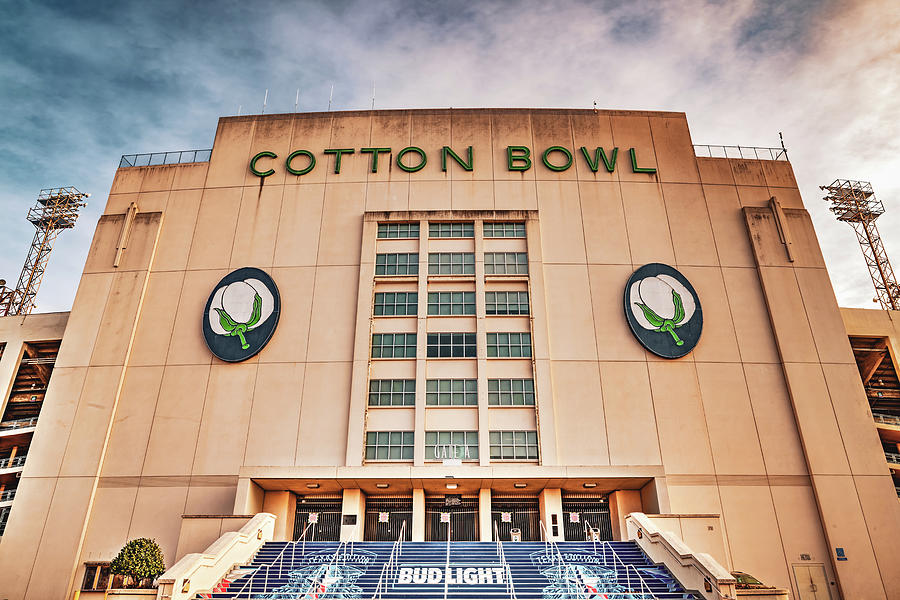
(485, 525)
(421, 348)
(418, 520)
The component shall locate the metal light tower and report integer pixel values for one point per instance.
(854, 202)
(56, 209)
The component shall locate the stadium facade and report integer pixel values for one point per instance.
(533, 319)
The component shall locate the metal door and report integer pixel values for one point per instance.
(463, 518)
(583, 511)
(385, 516)
(522, 512)
(812, 583)
(322, 516)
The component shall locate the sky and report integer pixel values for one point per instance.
(82, 83)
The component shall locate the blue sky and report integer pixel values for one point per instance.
(82, 83)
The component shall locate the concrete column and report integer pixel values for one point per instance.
(279, 504)
(421, 350)
(418, 519)
(485, 524)
(550, 503)
(622, 502)
(354, 503)
(248, 499)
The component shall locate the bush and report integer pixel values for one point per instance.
(139, 560)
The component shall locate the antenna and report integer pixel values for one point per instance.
(239, 109)
(297, 101)
(373, 94)
(265, 100)
(330, 96)
(56, 209)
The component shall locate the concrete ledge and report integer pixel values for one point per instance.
(199, 572)
(695, 571)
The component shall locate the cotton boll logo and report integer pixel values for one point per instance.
(241, 314)
(663, 310)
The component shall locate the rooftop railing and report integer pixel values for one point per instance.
(12, 463)
(745, 152)
(892, 457)
(154, 159)
(18, 423)
(7, 495)
(886, 419)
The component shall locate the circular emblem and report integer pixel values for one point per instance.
(241, 314)
(663, 310)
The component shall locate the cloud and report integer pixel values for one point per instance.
(88, 83)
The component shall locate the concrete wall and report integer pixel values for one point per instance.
(159, 428)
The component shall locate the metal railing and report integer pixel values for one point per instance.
(317, 587)
(628, 569)
(390, 569)
(745, 152)
(18, 423)
(892, 457)
(154, 159)
(7, 495)
(251, 580)
(507, 571)
(12, 463)
(886, 419)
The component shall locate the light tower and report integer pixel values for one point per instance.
(854, 202)
(56, 209)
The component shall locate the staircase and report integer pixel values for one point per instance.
(460, 570)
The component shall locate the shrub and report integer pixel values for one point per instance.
(140, 559)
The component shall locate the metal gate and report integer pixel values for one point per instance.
(463, 518)
(323, 516)
(581, 512)
(522, 512)
(385, 516)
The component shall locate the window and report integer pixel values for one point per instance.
(506, 303)
(403, 263)
(461, 445)
(389, 445)
(392, 392)
(451, 392)
(514, 445)
(396, 303)
(451, 230)
(509, 345)
(504, 230)
(393, 345)
(97, 578)
(511, 392)
(451, 345)
(400, 231)
(451, 263)
(451, 303)
(505, 263)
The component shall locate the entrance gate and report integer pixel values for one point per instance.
(522, 512)
(323, 516)
(463, 518)
(385, 516)
(583, 511)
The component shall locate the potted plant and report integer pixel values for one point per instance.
(140, 561)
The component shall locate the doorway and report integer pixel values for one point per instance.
(385, 516)
(583, 512)
(812, 582)
(457, 513)
(516, 512)
(320, 517)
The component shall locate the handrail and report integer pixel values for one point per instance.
(743, 152)
(18, 423)
(339, 554)
(391, 568)
(14, 462)
(892, 457)
(886, 419)
(7, 495)
(151, 159)
(267, 567)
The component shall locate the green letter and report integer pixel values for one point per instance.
(468, 166)
(374, 152)
(306, 169)
(638, 169)
(553, 167)
(418, 151)
(256, 158)
(523, 156)
(609, 163)
(338, 152)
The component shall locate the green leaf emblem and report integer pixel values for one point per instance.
(234, 328)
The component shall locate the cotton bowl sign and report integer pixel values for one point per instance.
(663, 310)
(241, 314)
